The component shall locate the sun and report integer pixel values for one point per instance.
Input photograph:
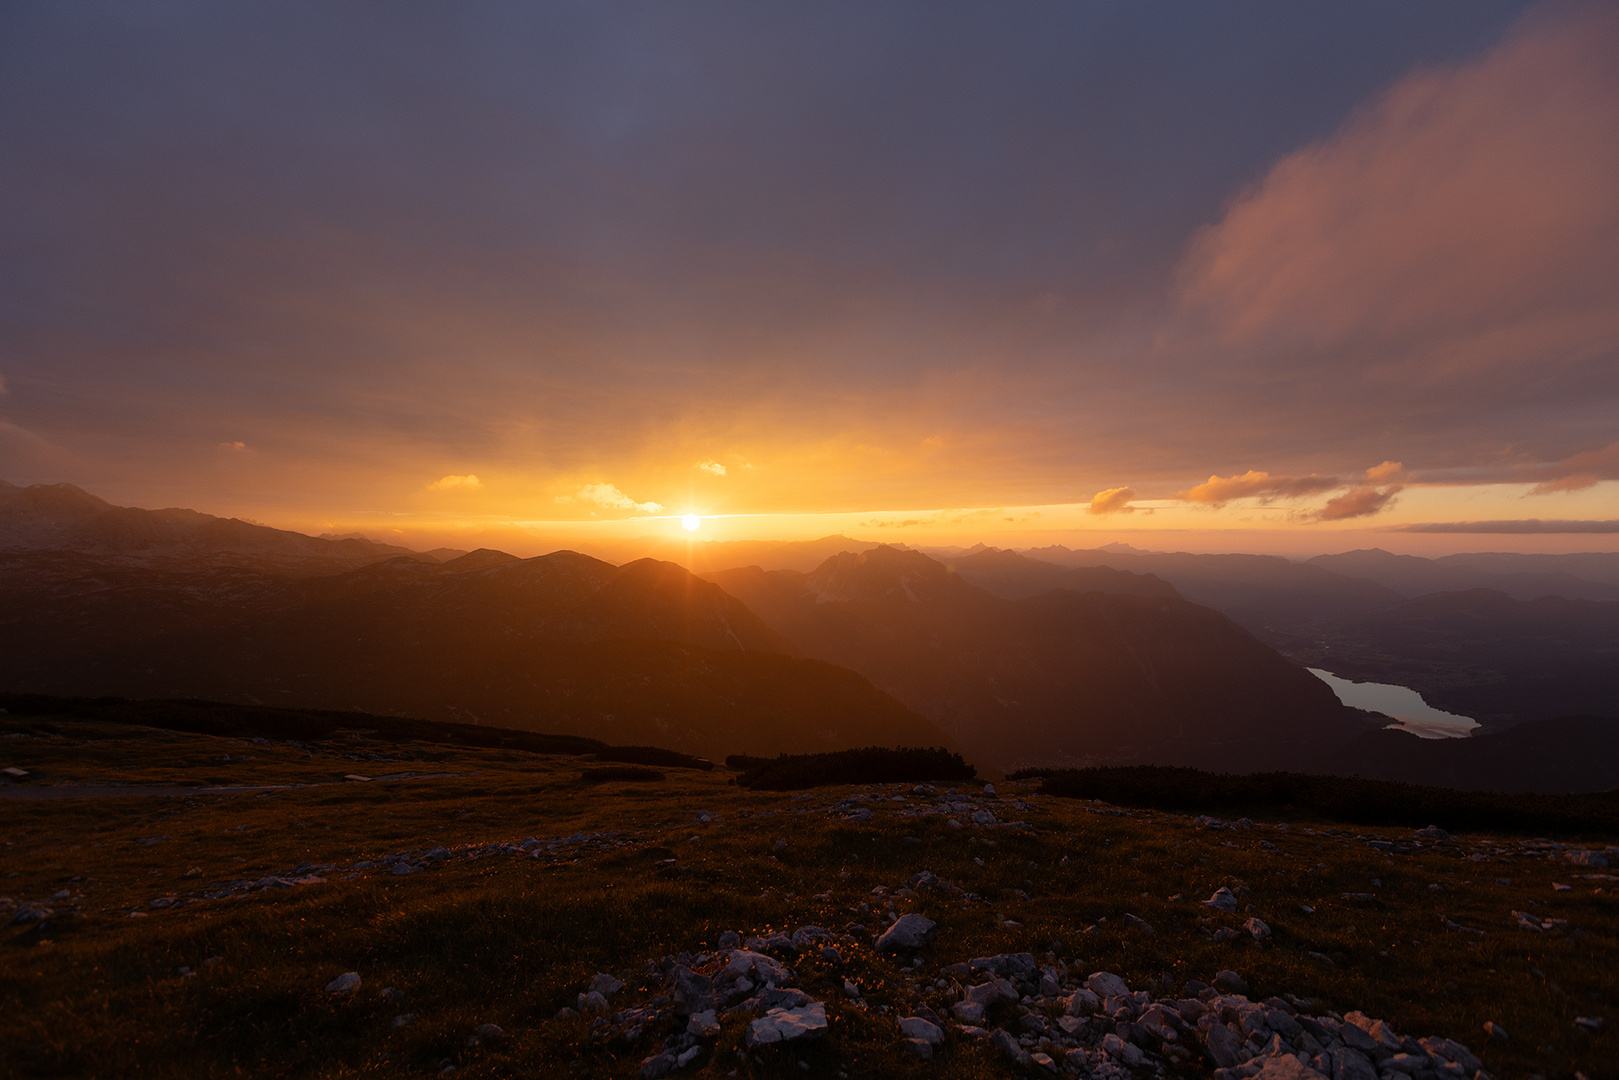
(691, 522)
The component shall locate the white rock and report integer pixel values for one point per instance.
(605, 985)
(1105, 984)
(691, 1055)
(908, 932)
(968, 1012)
(1222, 900)
(1258, 928)
(914, 1027)
(592, 1001)
(704, 1025)
(763, 969)
(345, 983)
(787, 1025)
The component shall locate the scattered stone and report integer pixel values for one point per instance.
(914, 1027)
(908, 932)
(1222, 900)
(1257, 928)
(345, 983)
(1230, 982)
(490, 1032)
(729, 940)
(1496, 1031)
(1593, 1024)
(592, 1001)
(404, 1020)
(1432, 832)
(703, 1025)
(605, 985)
(780, 1026)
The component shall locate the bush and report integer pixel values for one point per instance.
(871, 765)
(1346, 799)
(630, 773)
(653, 755)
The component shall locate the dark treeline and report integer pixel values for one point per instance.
(870, 765)
(1343, 799)
(304, 725)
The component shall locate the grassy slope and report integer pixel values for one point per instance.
(511, 939)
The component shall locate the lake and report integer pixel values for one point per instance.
(1402, 703)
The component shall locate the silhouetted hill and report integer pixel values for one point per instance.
(1012, 576)
(1267, 594)
(1412, 576)
(1062, 677)
(1483, 654)
(641, 654)
(61, 517)
(1567, 755)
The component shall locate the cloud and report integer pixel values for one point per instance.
(1466, 220)
(1526, 525)
(1385, 473)
(1580, 471)
(1113, 501)
(608, 497)
(712, 467)
(234, 447)
(1219, 490)
(1361, 502)
(455, 483)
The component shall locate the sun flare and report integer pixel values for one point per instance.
(691, 522)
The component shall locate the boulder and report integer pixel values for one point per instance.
(1222, 900)
(1351, 1064)
(782, 1026)
(908, 932)
(1105, 984)
(914, 1027)
(345, 983)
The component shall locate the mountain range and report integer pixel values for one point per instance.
(1124, 671)
(1106, 656)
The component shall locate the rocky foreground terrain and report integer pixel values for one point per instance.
(189, 905)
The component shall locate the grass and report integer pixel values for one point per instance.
(511, 939)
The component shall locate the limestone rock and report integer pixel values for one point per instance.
(914, 1027)
(908, 932)
(780, 1026)
(345, 983)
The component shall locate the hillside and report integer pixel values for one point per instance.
(61, 517)
(562, 643)
(349, 904)
(1057, 677)
(1480, 653)
(1566, 754)
(1413, 576)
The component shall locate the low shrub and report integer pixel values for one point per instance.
(1346, 799)
(871, 765)
(630, 773)
(653, 755)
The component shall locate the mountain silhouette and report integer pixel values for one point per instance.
(1061, 677)
(645, 653)
(61, 517)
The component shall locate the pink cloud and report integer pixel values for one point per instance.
(1466, 223)
(1219, 490)
(1113, 501)
(1579, 471)
(1361, 502)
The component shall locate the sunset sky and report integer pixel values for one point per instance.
(1260, 276)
